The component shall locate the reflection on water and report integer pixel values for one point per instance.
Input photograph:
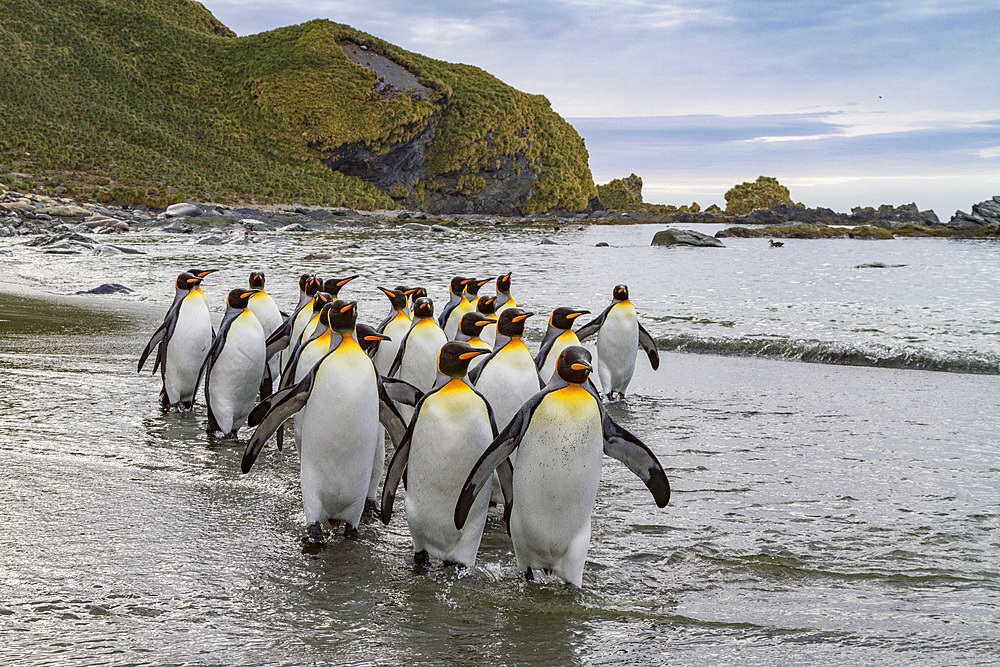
(820, 513)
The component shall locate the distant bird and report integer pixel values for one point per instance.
(776, 244)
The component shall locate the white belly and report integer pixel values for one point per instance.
(451, 433)
(556, 477)
(419, 363)
(237, 373)
(565, 339)
(617, 345)
(339, 425)
(387, 349)
(187, 349)
(508, 381)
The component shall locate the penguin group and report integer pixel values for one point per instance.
(474, 418)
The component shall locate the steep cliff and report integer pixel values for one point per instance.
(152, 100)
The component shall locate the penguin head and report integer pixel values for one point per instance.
(397, 297)
(472, 324)
(511, 322)
(487, 305)
(257, 280)
(562, 317)
(472, 287)
(312, 285)
(343, 316)
(201, 273)
(187, 281)
(573, 364)
(416, 293)
(238, 299)
(620, 293)
(453, 359)
(423, 307)
(319, 300)
(368, 337)
(303, 280)
(333, 285)
(503, 283)
(458, 284)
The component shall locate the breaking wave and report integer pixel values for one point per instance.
(821, 352)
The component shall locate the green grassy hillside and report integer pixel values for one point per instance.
(155, 100)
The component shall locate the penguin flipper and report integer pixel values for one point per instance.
(398, 361)
(397, 469)
(158, 336)
(266, 382)
(279, 338)
(389, 416)
(593, 326)
(543, 351)
(280, 410)
(649, 346)
(401, 391)
(622, 445)
(505, 473)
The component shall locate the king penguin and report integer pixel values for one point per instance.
(416, 359)
(332, 286)
(504, 299)
(619, 335)
(293, 326)
(340, 404)
(267, 313)
(560, 435)
(472, 291)
(234, 368)
(508, 377)
(457, 306)
(469, 331)
(451, 428)
(558, 337)
(487, 306)
(395, 325)
(181, 344)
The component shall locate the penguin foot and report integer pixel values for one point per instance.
(421, 558)
(314, 534)
(493, 503)
(350, 532)
(452, 563)
(231, 436)
(547, 570)
(371, 507)
(335, 524)
(529, 575)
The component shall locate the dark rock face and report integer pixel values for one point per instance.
(508, 188)
(670, 237)
(984, 213)
(885, 216)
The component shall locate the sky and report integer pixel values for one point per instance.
(845, 102)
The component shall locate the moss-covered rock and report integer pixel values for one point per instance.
(765, 192)
(154, 100)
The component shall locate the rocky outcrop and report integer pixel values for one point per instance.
(687, 237)
(984, 214)
(885, 216)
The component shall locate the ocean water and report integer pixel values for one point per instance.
(821, 513)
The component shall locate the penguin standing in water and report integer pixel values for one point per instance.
(619, 335)
(508, 377)
(487, 306)
(472, 291)
(558, 337)
(451, 428)
(560, 435)
(267, 313)
(504, 299)
(416, 360)
(469, 330)
(457, 306)
(235, 366)
(181, 343)
(395, 325)
(340, 404)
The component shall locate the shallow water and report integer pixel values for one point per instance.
(820, 513)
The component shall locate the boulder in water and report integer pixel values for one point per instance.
(669, 237)
(108, 288)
